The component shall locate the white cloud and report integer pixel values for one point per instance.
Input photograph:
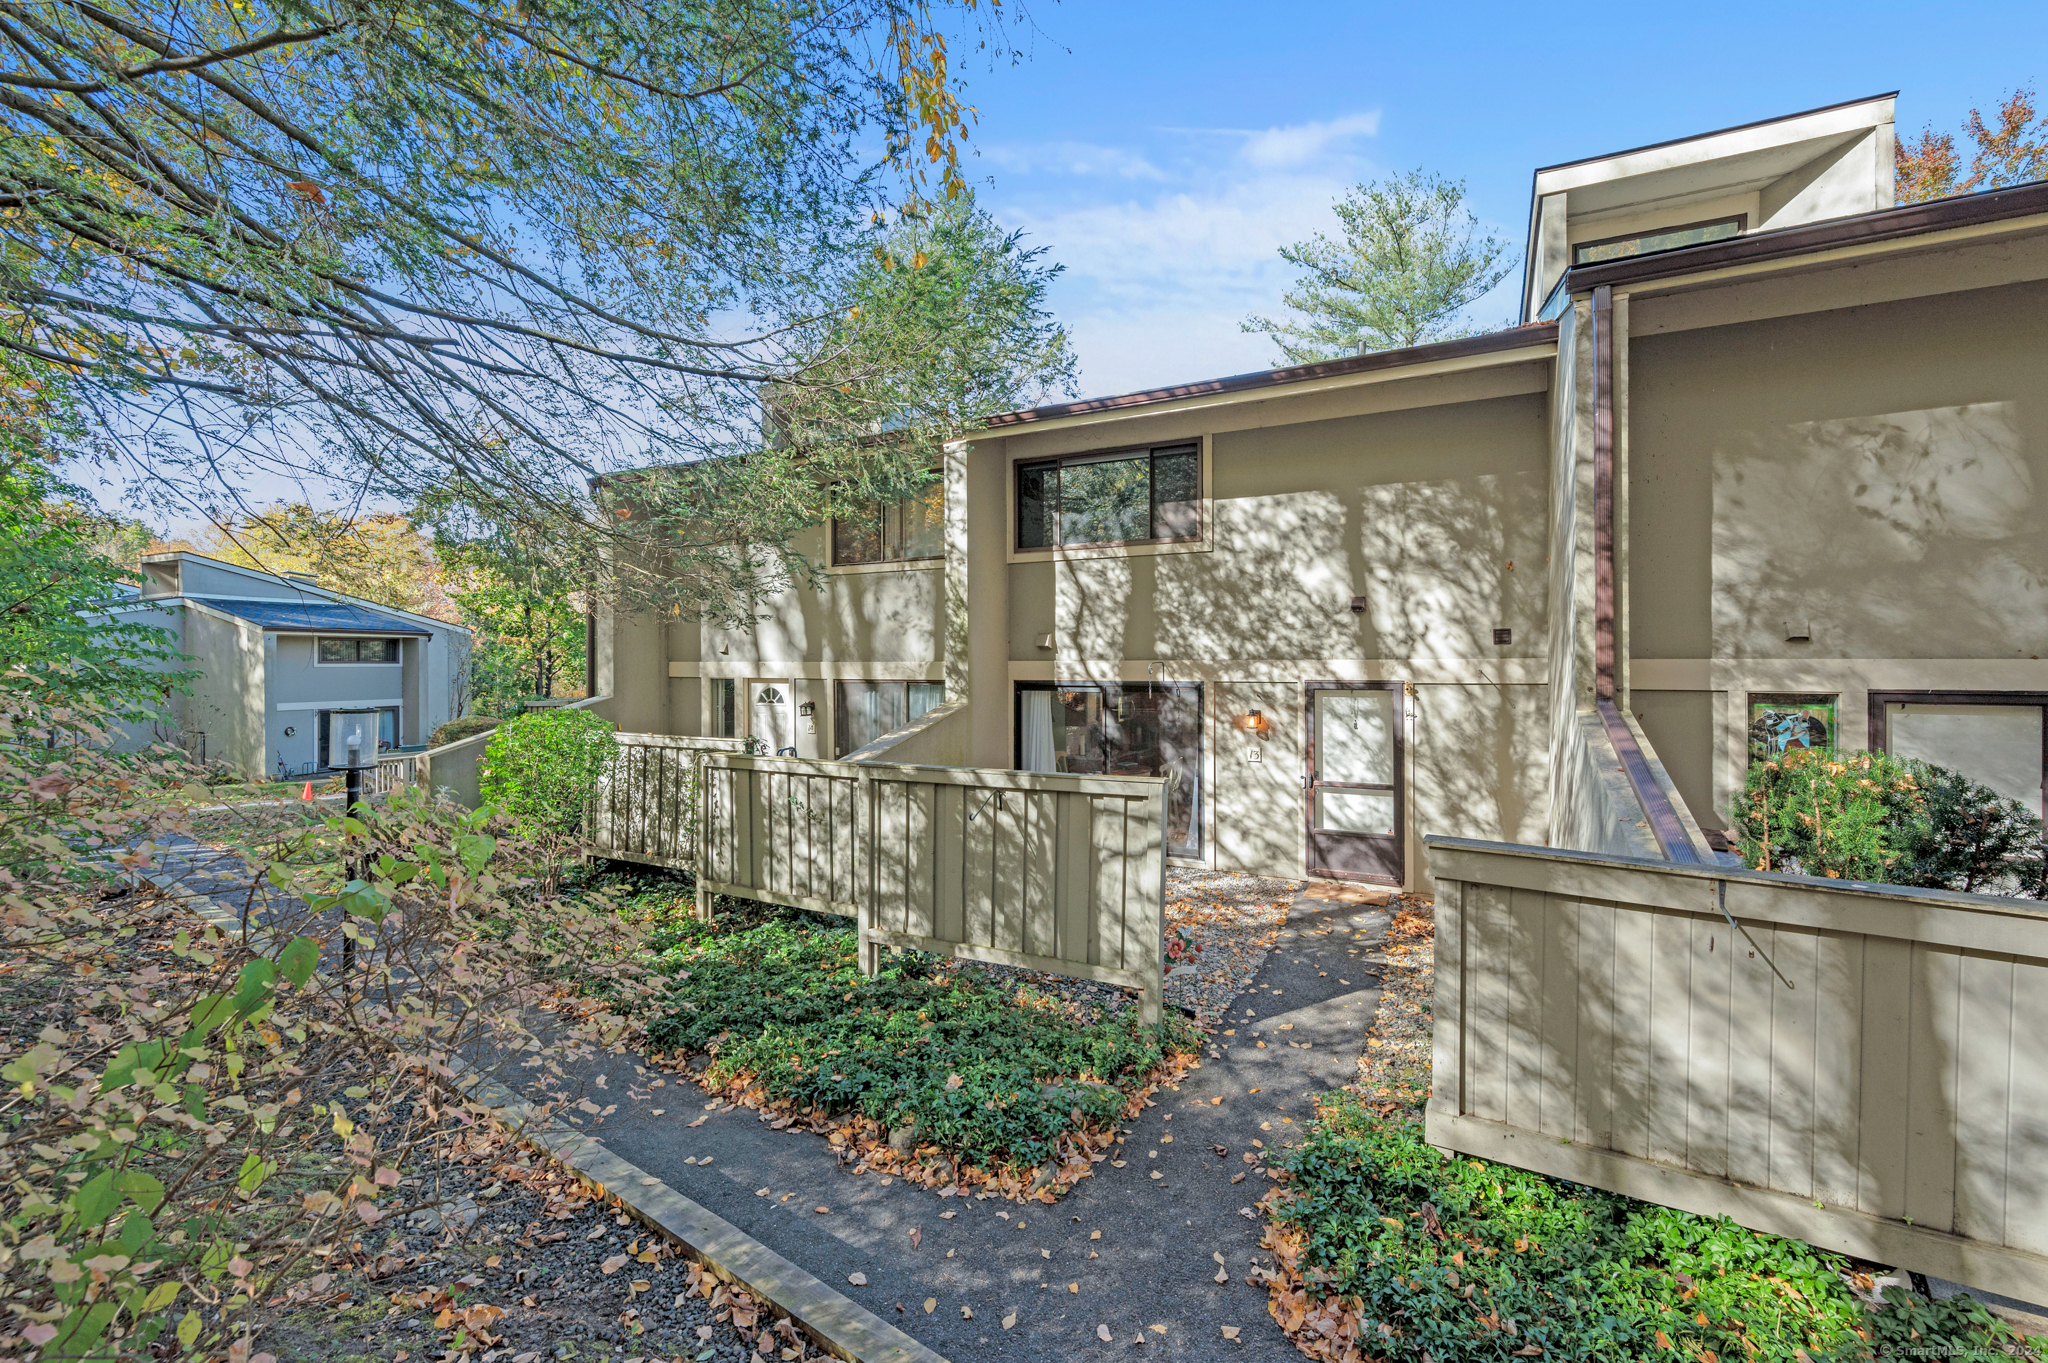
(1186, 245)
(1133, 351)
(1162, 269)
(1304, 142)
(1072, 158)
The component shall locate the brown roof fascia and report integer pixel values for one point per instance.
(1514, 338)
(1886, 224)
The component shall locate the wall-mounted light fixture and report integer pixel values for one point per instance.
(1358, 605)
(808, 708)
(1255, 722)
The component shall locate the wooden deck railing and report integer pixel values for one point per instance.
(1860, 1066)
(1064, 874)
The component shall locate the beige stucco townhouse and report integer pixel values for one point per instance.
(1765, 464)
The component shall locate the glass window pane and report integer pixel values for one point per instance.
(1781, 723)
(390, 650)
(387, 730)
(924, 696)
(1106, 501)
(1354, 811)
(1177, 495)
(337, 650)
(1995, 745)
(924, 523)
(857, 535)
(1037, 502)
(1077, 730)
(1355, 737)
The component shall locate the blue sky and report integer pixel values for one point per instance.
(1164, 152)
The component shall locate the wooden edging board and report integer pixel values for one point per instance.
(842, 1326)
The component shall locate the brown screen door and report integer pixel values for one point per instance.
(1355, 807)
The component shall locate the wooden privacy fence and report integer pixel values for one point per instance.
(646, 806)
(1863, 1067)
(1064, 874)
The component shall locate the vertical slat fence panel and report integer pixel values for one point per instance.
(1860, 1066)
(1045, 871)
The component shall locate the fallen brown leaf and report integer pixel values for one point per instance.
(1231, 1332)
(931, 1304)
(1102, 1333)
(1010, 1321)
(916, 1236)
(857, 1279)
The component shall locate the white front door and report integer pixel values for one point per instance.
(774, 718)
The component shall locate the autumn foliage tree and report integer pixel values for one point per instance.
(490, 251)
(2011, 149)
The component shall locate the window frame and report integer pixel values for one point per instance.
(834, 564)
(1196, 848)
(840, 746)
(1879, 721)
(1741, 221)
(1198, 446)
(394, 644)
(723, 701)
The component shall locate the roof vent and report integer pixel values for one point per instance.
(298, 576)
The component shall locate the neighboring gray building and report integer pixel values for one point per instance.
(274, 653)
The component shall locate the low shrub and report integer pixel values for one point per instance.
(469, 726)
(786, 1003)
(543, 770)
(1387, 1245)
(1870, 816)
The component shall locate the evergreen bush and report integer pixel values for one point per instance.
(1874, 817)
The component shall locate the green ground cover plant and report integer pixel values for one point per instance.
(994, 1076)
(1386, 1246)
(1874, 817)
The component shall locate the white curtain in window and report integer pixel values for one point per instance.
(1037, 731)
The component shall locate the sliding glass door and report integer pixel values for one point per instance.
(1128, 729)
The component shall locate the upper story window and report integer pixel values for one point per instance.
(1150, 496)
(898, 532)
(1664, 239)
(358, 650)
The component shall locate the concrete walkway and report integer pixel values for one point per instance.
(1125, 1249)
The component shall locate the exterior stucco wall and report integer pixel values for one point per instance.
(1434, 516)
(227, 703)
(1874, 473)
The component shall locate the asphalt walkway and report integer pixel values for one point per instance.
(1134, 1249)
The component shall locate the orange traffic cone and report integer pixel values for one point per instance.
(309, 791)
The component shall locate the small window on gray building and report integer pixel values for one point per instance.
(359, 650)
